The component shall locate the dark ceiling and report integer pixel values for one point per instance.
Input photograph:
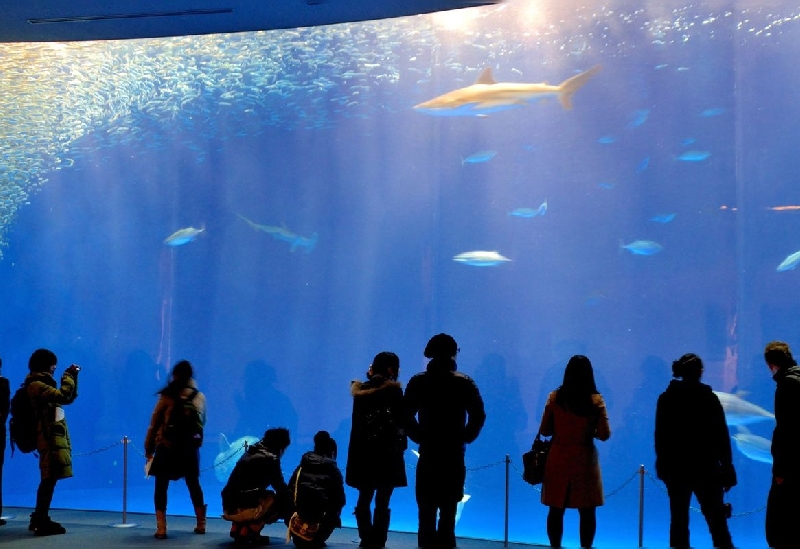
(50, 20)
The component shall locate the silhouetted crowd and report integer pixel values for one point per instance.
(442, 411)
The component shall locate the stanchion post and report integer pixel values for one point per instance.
(124, 524)
(641, 505)
(505, 537)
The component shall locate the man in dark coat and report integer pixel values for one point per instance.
(5, 396)
(693, 452)
(246, 500)
(783, 502)
(446, 413)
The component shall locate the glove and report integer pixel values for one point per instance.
(73, 370)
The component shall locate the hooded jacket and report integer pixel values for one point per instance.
(317, 489)
(159, 420)
(786, 436)
(692, 441)
(257, 470)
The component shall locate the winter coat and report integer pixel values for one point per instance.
(159, 420)
(572, 472)
(786, 436)
(317, 489)
(691, 437)
(445, 413)
(170, 460)
(53, 443)
(377, 438)
(5, 403)
(257, 470)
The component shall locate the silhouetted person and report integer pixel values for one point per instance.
(247, 500)
(375, 463)
(574, 415)
(783, 503)
(5, 401)
(53, 443)
(317, 490)
(173, 457)
(446, 413)
(693, 452)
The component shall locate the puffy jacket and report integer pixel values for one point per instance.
(53, 442)
(319, 486)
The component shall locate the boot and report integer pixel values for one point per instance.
(201, 519)
(380, 527)
(161, 525)
(364, 523)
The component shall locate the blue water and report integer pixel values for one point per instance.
(109, 148)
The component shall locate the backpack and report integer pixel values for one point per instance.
(185, 425)
(24, 423)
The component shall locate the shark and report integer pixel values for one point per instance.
(282, 233)
(487, 96)
(183, 236)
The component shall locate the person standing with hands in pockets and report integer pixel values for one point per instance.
(53, 443)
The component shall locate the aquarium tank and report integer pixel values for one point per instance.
(278, 207)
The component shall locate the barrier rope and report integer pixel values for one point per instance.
(98, 451)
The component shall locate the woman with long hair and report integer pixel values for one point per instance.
(171, 451)
(575, 415)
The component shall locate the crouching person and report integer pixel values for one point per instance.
(246, 499)
(317, 489)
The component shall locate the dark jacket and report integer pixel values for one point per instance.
(53, 443)
(377, 437)
(257, 470)
(5, 403)
(786, 437)
(445, 413)
(317, 489)
(691, 437)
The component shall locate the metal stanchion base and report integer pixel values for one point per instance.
(124, 525)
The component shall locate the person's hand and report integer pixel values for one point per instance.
(73, 370)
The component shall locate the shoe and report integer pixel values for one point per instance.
(49, 528)
(261, 541)
(3, 522)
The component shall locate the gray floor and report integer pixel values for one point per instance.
(96, 529)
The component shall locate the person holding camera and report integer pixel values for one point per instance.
(693, 452)
(53, 443)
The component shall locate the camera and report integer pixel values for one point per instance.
(75, 368)
(728, 510)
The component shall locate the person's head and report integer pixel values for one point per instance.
(182, 371)
(689, 367)
(324, 445)
(441, 346)
(42, 360)
(778, 356)
(276, 440)
(385, 364)
(579, 375)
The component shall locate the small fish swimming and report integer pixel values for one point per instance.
(183, 236)
(643, 164)
(605, 185)
(607, 140)
(478, 157)
(739, 411)
(529, 212)
(694, 156)
(663, 218)
(639, 117)
(229, 454)
(789, 263)
(713, 112)
(480, 258)
(643, 247)
(688, 141)
(283, 233)
(753, 446)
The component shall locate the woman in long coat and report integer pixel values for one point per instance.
(375, 463)
(575, 414)
(172, 459)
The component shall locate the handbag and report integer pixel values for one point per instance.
(299, 528)
(534, 460)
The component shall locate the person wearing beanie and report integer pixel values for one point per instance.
(783, 502)
(693, 452)
(317, 489)
(445, 413)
